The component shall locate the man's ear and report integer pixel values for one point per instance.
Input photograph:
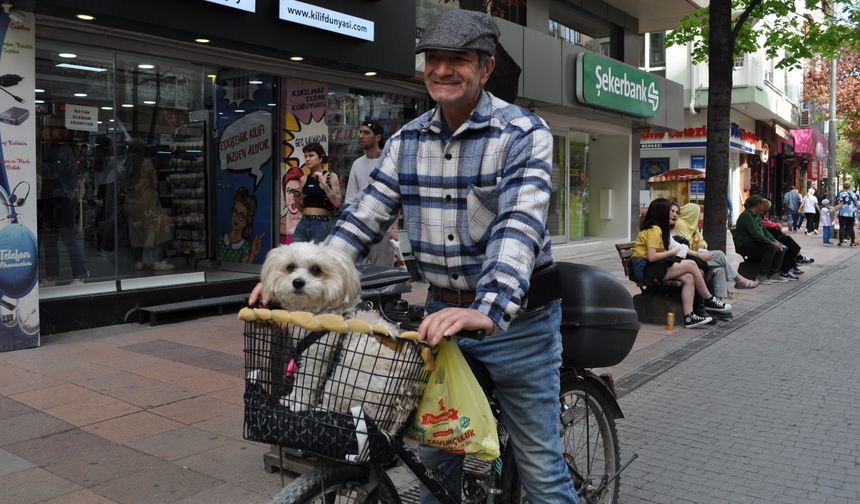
(488, 70)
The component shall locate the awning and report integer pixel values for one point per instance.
(811, 142)
(678, 174)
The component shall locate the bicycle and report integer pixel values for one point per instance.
(352, 469)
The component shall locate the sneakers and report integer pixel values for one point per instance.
(777, 278)
(805, 259)
(715, 305)
(763, 280)
(828, 242)
(162, 266)
(815, 231)
(788, 275)
(692, 320)
(796, 271)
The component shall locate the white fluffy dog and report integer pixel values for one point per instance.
(313, 278)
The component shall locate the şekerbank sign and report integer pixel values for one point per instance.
(606, 83)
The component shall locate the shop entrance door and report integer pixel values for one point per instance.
(557, 217)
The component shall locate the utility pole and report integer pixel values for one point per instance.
(831, 129)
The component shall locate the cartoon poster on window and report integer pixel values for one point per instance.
(304, 122)
(243, 206)
(19, 268)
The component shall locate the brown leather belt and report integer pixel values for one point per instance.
(454, 297)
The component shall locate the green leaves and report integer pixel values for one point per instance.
(789, 31)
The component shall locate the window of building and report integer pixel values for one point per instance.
(110, 193)
(653, 53)
(566, 33)
(739, 62)
(769, 71)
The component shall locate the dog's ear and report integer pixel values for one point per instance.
(270, 271)
(345, 268)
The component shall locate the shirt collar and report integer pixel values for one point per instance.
(478, 119)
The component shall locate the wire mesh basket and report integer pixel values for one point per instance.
(334, 388)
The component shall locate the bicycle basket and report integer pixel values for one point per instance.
(335, 388)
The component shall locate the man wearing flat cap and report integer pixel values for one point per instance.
(472, 178)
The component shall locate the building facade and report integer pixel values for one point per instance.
(766, 106)
(166, 135)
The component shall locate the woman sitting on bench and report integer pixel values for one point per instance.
(654, 261)
(688, 229)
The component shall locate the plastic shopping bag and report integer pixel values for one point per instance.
(454, 414)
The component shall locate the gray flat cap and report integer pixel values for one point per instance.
(460, 30)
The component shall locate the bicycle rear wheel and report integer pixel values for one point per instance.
(589, 446)
(341, 485)
(590, 441)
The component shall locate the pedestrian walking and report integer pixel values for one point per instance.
(847, 204)
(810, 209)
(791, 201)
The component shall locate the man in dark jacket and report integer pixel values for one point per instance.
(756, 244)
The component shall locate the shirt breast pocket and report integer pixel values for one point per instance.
(482, 207)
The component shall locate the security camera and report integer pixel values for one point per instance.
(14, 15)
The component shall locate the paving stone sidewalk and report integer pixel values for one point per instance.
(139, 414)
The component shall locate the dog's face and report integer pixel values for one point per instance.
(309, 277)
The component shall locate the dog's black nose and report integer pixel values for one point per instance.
(298, 283)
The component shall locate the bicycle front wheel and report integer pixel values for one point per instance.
(341, 485)
(589, 441)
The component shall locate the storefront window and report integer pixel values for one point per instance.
(122, 193)
(161, 165)
(343, 109)
(556, 217)
(74, 161)
(579, 190)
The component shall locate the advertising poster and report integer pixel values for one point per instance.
(19, 291)
(243, 206)
(304, 122)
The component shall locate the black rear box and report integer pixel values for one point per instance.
(599, 324)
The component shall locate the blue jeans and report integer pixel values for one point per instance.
(523, 362)
(792, 219)
(315, 231)
(827, 233)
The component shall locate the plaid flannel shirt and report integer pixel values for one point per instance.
(474, 205)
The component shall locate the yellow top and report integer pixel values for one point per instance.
(648, 238)
(688, 226)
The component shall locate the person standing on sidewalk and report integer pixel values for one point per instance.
(753, 242)
(370, 140)
(826, 223)
(847, 203)
(810, 209)
(791, 202)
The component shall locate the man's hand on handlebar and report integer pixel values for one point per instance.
(450, 321)
(257, 293)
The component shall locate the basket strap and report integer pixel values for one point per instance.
(303, 344)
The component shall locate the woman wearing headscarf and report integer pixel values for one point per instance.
(687, 228)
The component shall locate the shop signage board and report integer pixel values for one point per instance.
(609, 84)
(326, 19)
(19, 272)
(696, 137)
(245, 5)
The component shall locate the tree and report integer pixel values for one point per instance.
(816, 89)
(729, 28)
